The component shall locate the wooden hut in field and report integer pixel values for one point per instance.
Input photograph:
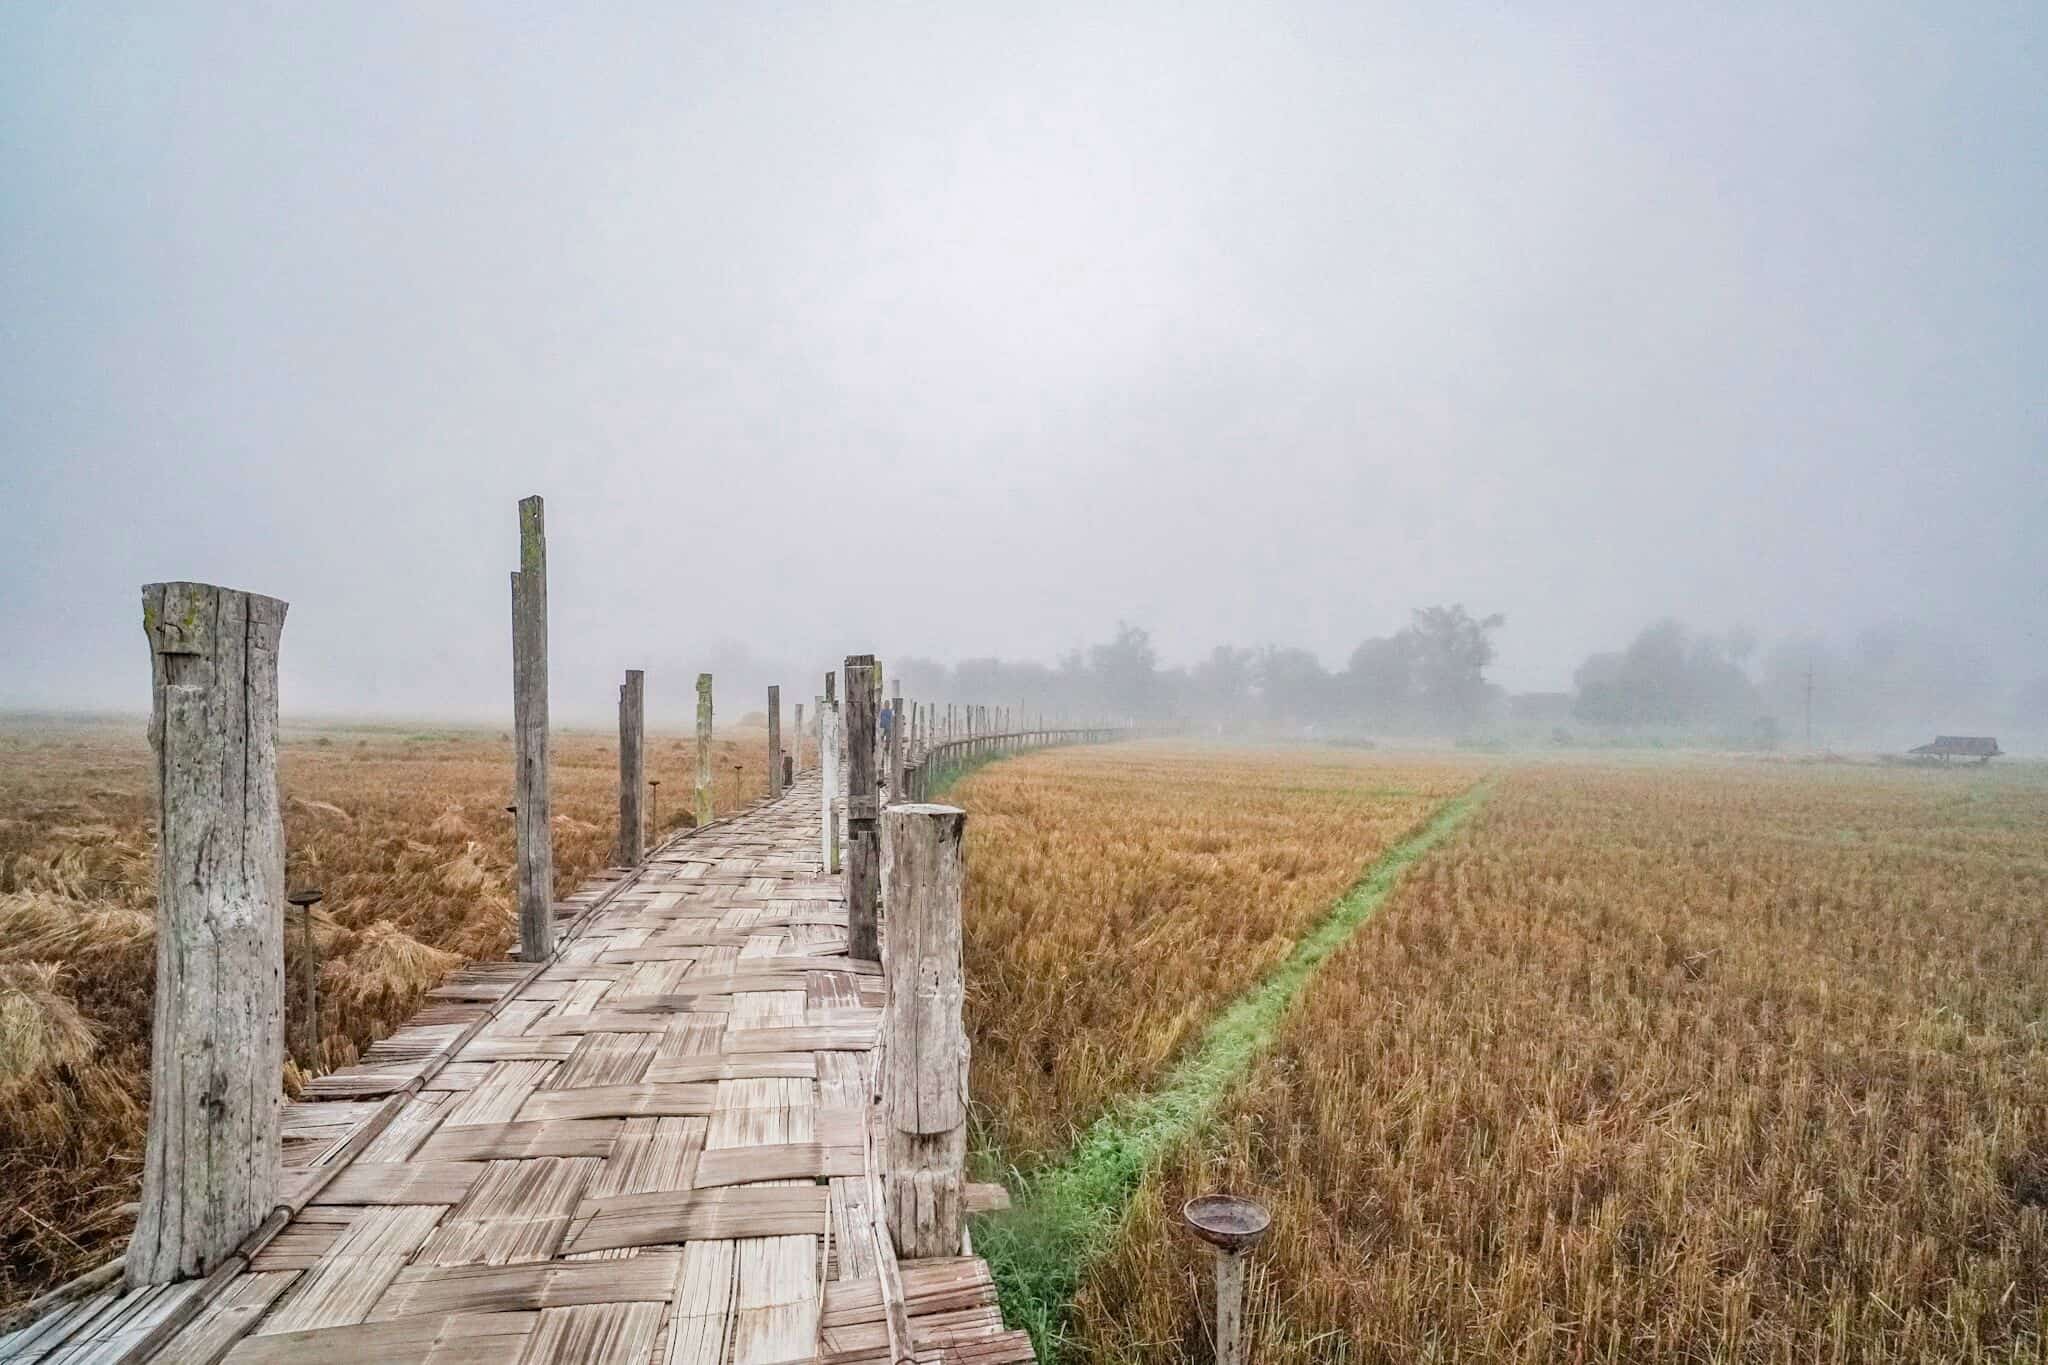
(1983, 748)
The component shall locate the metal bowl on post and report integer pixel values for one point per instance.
(1233, 1226)
(1226, 1222)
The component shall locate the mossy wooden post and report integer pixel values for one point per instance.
(898, 725)
(774, 742)
(703, 749)
(924, 1087)
(212, 1161)
(530, 736)
(632, 768)
(863, 852)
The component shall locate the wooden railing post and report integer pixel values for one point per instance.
(924, 1091)
(896, 740)
(703, 749)
(828, 773)
(863, 874)
(530, 736)
(632, 768)
(212, 1161)
(799, 736)
(774, 741)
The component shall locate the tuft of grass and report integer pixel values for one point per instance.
(1067, 1214)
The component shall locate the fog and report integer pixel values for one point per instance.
(955, 333)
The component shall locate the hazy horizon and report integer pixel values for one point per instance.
(973, 332)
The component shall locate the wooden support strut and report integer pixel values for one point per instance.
(212, 1159)
(924, 1085)
(632, 769)
(530, 736)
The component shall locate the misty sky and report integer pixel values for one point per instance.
(961, 330)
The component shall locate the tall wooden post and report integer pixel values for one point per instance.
(863, 873)
(530, 736)
(774, 741)
(799, 730)
(213, 1158)
(703, 749)
(924, 1091)
(898, 725)
(632, 768)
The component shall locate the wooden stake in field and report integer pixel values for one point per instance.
(924, 1089)
(703, 749)
(530, 736)
(863, 873)
(211, 1164)
(774, 741)
(632, 768)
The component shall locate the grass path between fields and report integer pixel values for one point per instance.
(1065, 1215)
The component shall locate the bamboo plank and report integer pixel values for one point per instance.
(701, 1316)
(344, 1283)
(430, 1290)
(228, 1317)
(401, 1182)
(621, 1101)
(804, 1038)
(631, 1220)
(602, 1331)
(606, 1059)
(512, 1141)
(651, 1155)
(457, 1339)
(519, 1211)
(801, 1066)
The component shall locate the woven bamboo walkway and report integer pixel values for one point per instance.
(660, 1146)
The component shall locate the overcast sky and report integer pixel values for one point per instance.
(965, 330)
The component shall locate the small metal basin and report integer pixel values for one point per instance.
(1226, 1222)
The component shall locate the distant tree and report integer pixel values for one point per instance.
(1380, 681)
(1668, 677)
(1220, 686)
(1126, 671)
(1452, 649)
(1294, 685)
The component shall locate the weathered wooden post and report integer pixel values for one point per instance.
(774, 742)
(309, 967)
(924, 1091)
(896, 740)
(828, 775)
(703, 749)
(799, 736)
(530, 736)
(632, 768)
(212, 1162)
(863, 874)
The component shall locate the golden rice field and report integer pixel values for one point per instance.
(1661, 1064)
(1117, 896)
(405, 832)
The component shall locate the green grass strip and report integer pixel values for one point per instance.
(1064, 1216)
